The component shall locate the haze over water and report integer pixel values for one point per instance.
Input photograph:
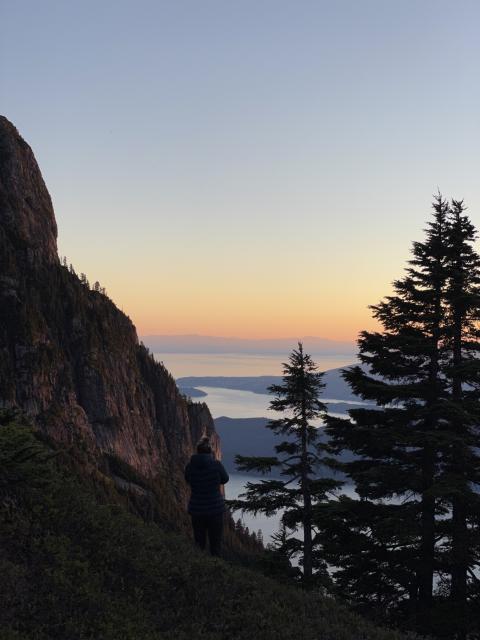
(238, 364)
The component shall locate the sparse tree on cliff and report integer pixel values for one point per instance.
(298, 489)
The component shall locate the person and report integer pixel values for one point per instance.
(205, 475)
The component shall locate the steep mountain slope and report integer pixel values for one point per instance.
(69, 358)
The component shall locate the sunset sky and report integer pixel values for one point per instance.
(251, 168)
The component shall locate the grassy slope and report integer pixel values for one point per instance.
(74, 568)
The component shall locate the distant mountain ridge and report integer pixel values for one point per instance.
(217, 344)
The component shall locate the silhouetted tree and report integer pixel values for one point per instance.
(461, 369)
(414, 456)
(298, 457)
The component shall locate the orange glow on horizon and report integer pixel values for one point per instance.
(210, 296)
(251, 324)
(250, 314)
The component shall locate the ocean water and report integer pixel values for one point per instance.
(235, 403)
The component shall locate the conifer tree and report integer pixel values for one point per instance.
(461, 457)
(280, 539)
(297, 490)
(396, 444)
(415, 457)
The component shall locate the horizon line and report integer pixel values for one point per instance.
(201, 335)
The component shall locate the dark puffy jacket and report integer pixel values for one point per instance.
(204, 474)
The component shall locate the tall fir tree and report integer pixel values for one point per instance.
(462, 458)
(299, 454)
(390, 569)
(417, 464)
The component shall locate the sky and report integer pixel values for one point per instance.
(252, 168)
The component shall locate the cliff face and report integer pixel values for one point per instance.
(68, 357)
(26, 212)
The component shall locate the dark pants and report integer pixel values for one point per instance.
(213, 525)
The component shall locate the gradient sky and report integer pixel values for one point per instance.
(250, 168)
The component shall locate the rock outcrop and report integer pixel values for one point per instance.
(26, 212)
(68, 357)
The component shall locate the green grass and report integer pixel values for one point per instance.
(74, 568)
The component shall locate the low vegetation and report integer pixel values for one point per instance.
(75, 567)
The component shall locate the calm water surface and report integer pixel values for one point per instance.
(235, 403)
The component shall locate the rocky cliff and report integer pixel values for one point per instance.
(68, 357)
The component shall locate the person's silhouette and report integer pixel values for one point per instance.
(206, 507)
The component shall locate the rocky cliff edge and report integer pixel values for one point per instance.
(70, 359)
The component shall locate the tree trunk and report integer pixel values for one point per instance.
(307, 499)
(427, 522)
(458, 593)
(459, 568)
(427, 547)
(307, 532)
